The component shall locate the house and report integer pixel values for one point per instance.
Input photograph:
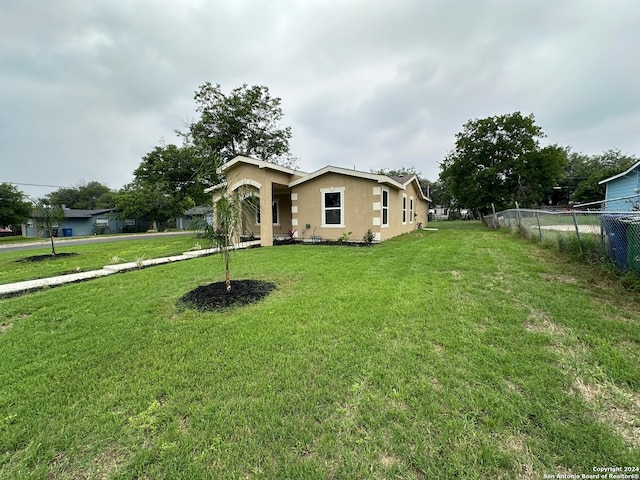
(185, 222)
(325, 204)
(84, 222)
(623, 190)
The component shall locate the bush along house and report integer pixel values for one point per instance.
(328, 204)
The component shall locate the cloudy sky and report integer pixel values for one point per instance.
(88, 87)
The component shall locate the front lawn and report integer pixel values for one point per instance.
(16, 267)
(460, 353)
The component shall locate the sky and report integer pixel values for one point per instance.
(88, 87)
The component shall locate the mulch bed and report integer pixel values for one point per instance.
(48, 256)
(214, 296)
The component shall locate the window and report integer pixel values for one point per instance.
(404, 209)
(332, 207)
(275, 213)
(410, 209)
(130, 222)
(385, 207)
(102, 222)
(30, 223)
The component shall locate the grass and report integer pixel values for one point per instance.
(461, 353)
(89, 257)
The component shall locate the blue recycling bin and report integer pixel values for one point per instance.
(616, 232)
(67, 232)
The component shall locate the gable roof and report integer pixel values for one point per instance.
(346, 171)
(258, 163)
(633, 167)
(398, 182)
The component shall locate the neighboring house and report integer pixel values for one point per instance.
(184, 222)
(324, 204)
(623, 190)
(84, 222)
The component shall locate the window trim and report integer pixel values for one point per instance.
(323, 192)
(411, 209)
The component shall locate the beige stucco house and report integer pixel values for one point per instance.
(323, 204)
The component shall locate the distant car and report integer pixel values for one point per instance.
(5, 232)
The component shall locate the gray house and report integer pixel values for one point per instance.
(85, 222)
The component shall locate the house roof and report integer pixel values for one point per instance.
(258, 163)
(346, 171)
(633, 167)
(77, 213)
(80, 213)
(199, 210)
(399, 182)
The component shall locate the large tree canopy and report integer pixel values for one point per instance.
(14, 207)
(498, 160)
(178, 172)
(87, 196)
(244, 122)
(585, 172)
(150, 201)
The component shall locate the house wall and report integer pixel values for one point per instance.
(302, 205)
(362, 208)
(80, 227)
(627, 186)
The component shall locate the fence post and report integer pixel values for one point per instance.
(575, 222)
(518, 216)
(539, 227)
(495, 217)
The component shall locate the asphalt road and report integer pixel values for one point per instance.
(66, 241)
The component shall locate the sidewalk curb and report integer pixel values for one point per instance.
(18, 288)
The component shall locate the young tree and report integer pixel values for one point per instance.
(498, 160)
(226, 230)
(14, 207)
(49, 218)
(244, 122)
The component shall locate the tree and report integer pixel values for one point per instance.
(592, 170)
(229, 210)
(404, 171)
(498, 160)
(14, 208)
(88, 196)
(48, 217)
(150, 201)
(178, 172)
(244, 122)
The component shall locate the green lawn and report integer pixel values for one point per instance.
(460, 353)
(94, 256)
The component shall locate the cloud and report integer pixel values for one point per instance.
(88, 88)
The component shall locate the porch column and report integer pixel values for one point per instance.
(266, 216)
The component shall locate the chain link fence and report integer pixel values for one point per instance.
(605, 235)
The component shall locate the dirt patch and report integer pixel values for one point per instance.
(559, 278)
(5, 326)
(614, 406)
(215, 297)
(43, 258)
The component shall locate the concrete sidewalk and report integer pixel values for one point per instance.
(11, 289)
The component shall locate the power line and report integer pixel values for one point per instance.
(39, 185)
